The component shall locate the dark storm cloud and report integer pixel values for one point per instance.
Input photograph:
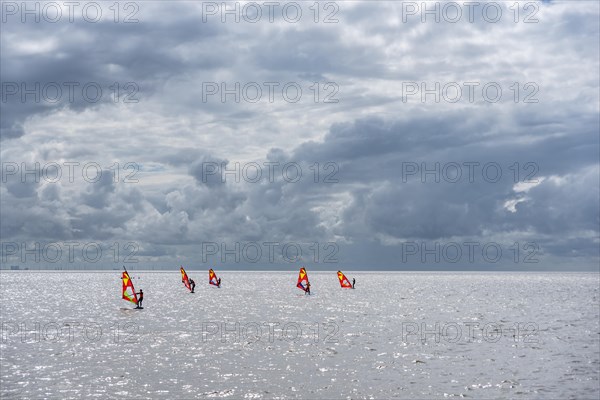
(406, 205)
(370, 135)
(100, 53)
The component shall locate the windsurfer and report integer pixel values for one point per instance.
(307, 291)
(192, 285)
(140, 298)
(218, 282)
(353, 282)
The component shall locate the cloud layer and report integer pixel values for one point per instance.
(380, 141)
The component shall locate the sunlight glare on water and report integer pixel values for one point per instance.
(397, 335)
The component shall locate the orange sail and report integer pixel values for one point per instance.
(212, 278)
(302, 279)
(344, 282)
(128, 290)
(185, 280)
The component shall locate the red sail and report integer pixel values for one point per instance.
(185, 280)
(212, 278)
(344, 282)
(128, 290)
(302, 279)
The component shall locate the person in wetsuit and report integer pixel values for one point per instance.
(192, 285)
(140, 298)
(307, 291)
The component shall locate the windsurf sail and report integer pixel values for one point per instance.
(185, 280)
(212, 278)
(302, 279)
(344, 282)
(128, 289)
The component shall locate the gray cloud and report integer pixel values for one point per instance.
(170, 205)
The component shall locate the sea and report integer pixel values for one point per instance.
(396, 335)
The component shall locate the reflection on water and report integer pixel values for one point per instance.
(403, 335)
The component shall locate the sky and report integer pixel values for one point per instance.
(353, 135)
